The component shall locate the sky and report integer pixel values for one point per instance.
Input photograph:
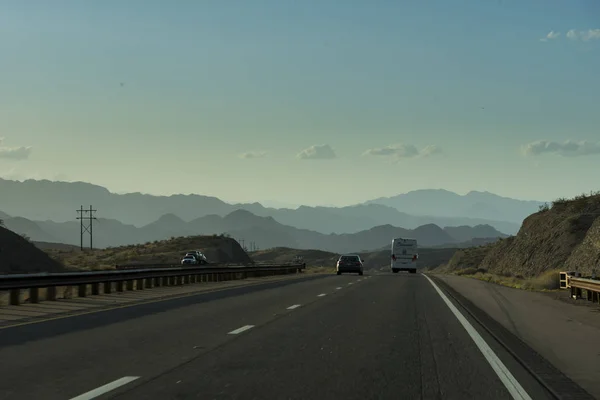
(317, 102)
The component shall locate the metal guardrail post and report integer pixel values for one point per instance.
(15, 297)
(82, 290)
(51, 293)
(107, 287)
(119, 286)
(139, 284)
(34, 295)
(95, 289)
(129, 285)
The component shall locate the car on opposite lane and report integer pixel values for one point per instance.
(201, 258)
(189, 260)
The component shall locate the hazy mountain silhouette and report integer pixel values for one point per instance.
(58, 201)
(265, 232)
(439, 202)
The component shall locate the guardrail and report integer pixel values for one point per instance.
(209, 265)
(578, 285)
(129, 279)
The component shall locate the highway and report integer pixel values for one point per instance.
(377, 336)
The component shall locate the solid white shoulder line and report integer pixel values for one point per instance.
(509, 381)
(106, 388)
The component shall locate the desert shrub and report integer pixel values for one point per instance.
(549, 280)
(466, 271)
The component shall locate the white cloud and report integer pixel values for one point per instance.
(590, 34)
(253, 154)
(551, 35)
(400, 151)
(567, 149)
(317, 152)
(431, 150)
(585, 36)
(14, 153)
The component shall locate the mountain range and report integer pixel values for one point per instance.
(265, 232)
(43, 200)
(443, 203)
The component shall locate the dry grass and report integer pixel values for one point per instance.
(548, 281)
(320, 270)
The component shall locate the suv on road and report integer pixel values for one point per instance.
(201, 258)
(349, 263)
(189, 260)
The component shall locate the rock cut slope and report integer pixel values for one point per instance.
(565, 236)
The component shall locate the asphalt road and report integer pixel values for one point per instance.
(387, 336)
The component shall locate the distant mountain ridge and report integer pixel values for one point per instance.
(440, 202)
(57, 201)
(265, 232)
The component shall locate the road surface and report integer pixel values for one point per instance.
(383, 336)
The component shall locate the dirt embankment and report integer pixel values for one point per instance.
(565, 236)
(19, 256)
(217, 249)
(312, 258)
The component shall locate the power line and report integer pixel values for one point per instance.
(86, 215)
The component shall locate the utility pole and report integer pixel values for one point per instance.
(88, 215)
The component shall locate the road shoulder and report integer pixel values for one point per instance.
(566, 335)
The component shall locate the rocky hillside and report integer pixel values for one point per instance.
(218, 249)
(563, 236)
(19, 256)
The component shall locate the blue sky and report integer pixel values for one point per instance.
(311, 102)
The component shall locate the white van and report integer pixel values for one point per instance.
(404, 255)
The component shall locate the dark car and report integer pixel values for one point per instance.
(349, 263)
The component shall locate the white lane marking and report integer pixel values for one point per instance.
(294, 306)
(509, 381)
(106, 388)
(322, 294)
(242, 329)
(338, 288)
(350, 283)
